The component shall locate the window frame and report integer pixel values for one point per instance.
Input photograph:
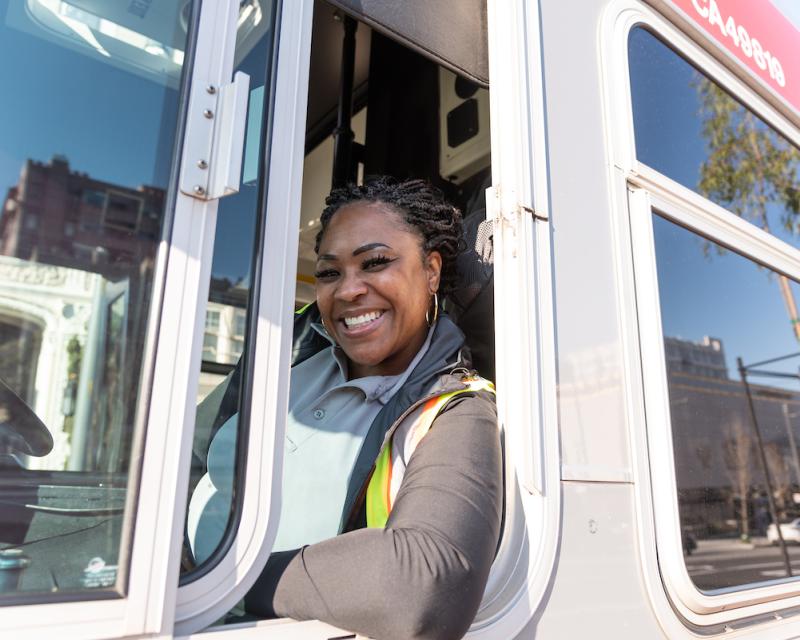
(637, 192)
(153, 522)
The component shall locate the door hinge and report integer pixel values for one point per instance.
(510, 213)
(533, 213)
(214, 140)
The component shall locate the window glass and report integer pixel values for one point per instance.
(212, 497)
(725, 323)
(691, 130)
(86, 143)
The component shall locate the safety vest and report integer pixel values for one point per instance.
(379, 497)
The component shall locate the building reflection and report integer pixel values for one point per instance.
(66, 218)
(76, 266)
(721, 485)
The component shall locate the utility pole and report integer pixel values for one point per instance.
(791, 306)
(765, 468)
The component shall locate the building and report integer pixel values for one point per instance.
(705, 358)
(61, 217)
(76, 265)
(717, 462)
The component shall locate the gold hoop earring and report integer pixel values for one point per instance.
(435, 311)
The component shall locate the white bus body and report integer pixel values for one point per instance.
(604, 536)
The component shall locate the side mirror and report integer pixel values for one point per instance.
(20, 428)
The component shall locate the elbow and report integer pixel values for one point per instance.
(436, 603)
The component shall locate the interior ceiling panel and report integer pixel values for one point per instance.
(450, 32)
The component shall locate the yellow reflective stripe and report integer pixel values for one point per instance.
(379, 500)
(302, 309)
(378, 505)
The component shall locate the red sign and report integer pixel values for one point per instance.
(759, 35)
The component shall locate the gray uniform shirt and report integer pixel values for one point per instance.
(329, 417)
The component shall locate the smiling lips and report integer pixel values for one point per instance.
(363, 321)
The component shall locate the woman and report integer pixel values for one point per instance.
(390, 440)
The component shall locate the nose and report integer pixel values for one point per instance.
(351, 286)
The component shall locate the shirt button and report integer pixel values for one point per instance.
(319, 414)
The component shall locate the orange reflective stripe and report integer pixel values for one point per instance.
(425, 420)
(379, 490)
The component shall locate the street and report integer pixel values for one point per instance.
(716, 564)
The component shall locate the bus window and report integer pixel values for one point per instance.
(729, 321)
(85, 155)
(720, 427)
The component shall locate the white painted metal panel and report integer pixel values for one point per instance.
(598, 590)
(524, 326)
(589, 353)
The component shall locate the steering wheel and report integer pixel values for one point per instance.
(20, 428)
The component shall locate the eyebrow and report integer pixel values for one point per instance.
(362, 249)
(370, 247)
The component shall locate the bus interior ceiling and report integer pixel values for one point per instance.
(411, 118)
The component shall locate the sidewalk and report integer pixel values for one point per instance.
(731, 544)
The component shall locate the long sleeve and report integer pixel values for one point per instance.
(422, 576)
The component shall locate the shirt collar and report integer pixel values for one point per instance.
(380, 388)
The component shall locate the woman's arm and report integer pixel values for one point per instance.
(422, 576)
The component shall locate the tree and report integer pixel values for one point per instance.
(749, 167)
(780, 473)
(736, 450)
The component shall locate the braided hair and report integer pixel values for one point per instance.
(421, 206)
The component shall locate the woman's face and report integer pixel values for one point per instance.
(374, 287)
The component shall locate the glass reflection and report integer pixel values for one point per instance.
(88, 135)
(718, 307)
(691, 130)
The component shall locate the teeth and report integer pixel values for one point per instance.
(362, 319)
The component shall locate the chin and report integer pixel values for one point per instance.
(362, 360)
(365, 358)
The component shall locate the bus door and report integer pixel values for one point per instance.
(122, 127)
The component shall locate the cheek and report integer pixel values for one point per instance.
(414, 301)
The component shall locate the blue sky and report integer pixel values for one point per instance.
(113, 125)
(789, 8)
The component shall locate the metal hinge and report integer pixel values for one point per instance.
(496, 209)
(533, 213)
(214, 141)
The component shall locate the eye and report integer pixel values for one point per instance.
(376, 262)
(326, 274)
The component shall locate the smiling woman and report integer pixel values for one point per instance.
(391, 438)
